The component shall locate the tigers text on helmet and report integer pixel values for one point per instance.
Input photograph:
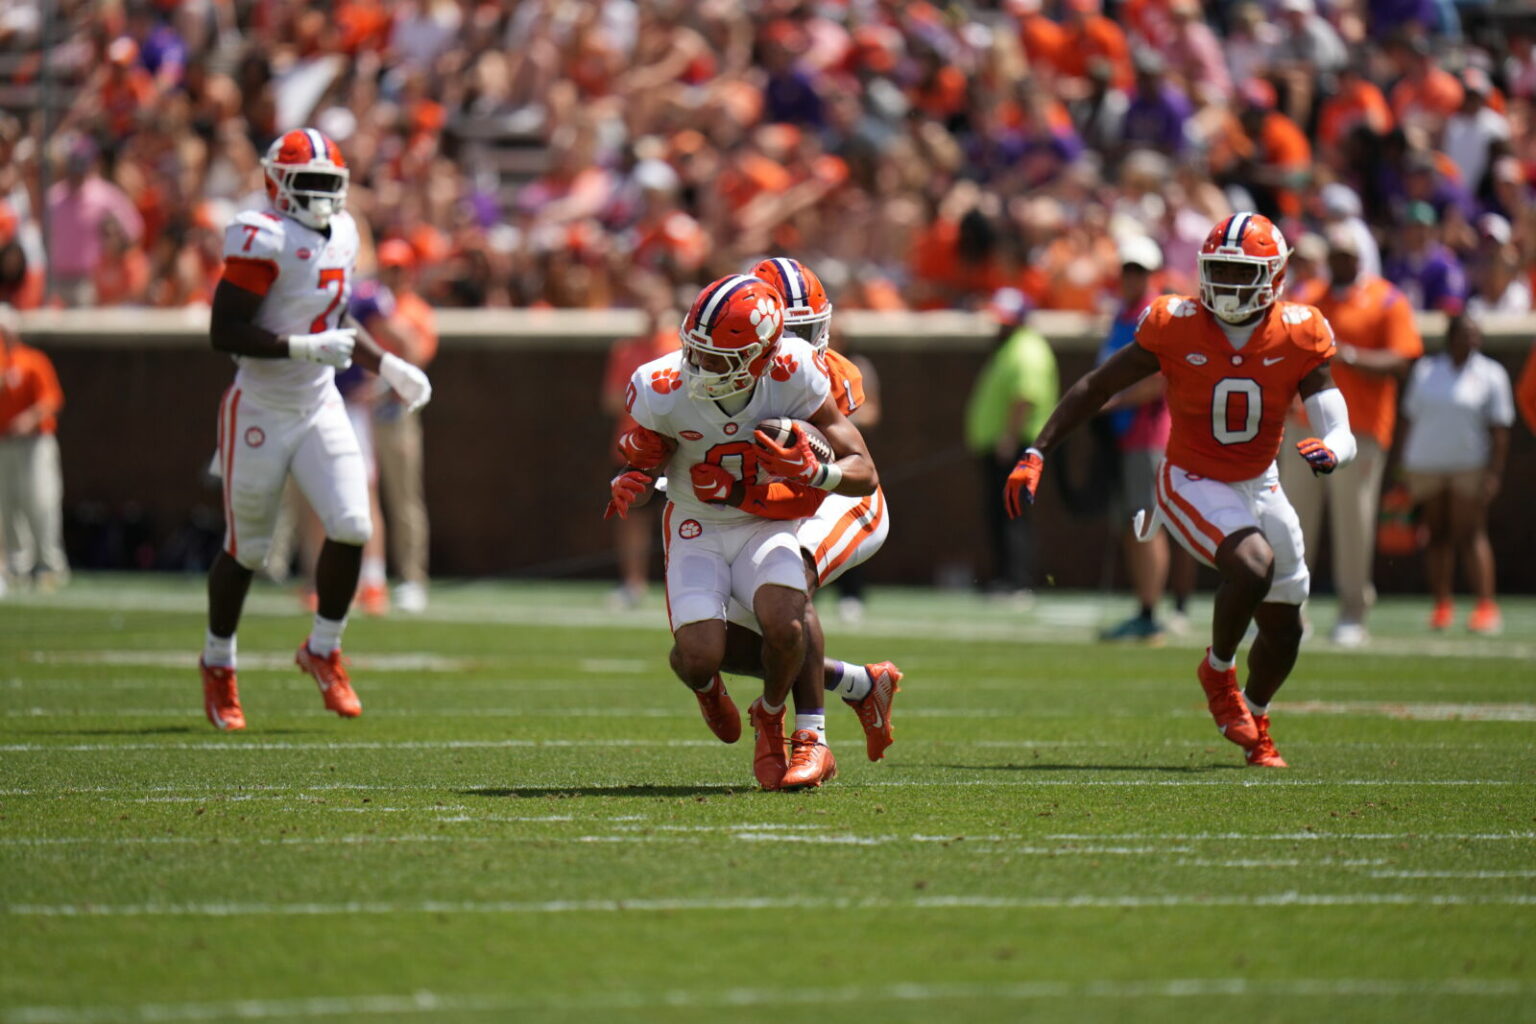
(306, 177)
(1242, 267)
(730, 336)
(805, 301)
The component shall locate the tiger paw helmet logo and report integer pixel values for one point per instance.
(689, 529)
(664, 382)
(765, 317)
(784, 367)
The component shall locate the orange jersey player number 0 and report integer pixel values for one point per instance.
(1229, 404)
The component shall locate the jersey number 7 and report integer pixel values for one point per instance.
(338, 277)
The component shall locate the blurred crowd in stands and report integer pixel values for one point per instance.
(918, 155)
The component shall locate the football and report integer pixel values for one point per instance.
(781, 429)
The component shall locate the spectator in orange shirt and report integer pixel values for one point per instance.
(21, 286)
(31, 481)
(122, 276)
(632, 535)
(1426, 94)
(1282, 156)
(1355, 101)
(1088, 34)
(1377, 344)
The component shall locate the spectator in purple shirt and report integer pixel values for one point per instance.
(1426, 271)
(789, 94)
(1158, 110)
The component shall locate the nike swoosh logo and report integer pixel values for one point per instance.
(1272, 362)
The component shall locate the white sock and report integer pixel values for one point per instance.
(1254, 709)
(816, 723)
(1219, 665)
(853, 681)
(373, 571)
(771, 709)
(325, 635)
(219, 651)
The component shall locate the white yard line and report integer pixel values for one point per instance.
(427, 1003)
(409, 661)
(775, 904)
(1422, 711)
(1286, 836)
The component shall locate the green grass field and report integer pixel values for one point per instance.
(531, 823)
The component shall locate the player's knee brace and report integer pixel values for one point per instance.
(350, 529)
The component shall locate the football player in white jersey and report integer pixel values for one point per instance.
(697, 410)
(279, 311)
(836, 533)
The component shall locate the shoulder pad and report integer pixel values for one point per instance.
(255, 235)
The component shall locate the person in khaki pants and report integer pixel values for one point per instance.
(1378, 342)
(410, 330)
(31, 481)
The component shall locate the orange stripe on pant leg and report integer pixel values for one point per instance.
(229, 473)
(843, 525)
(1184, 505)
(867, 530)
(666, 559)
(1174, 524)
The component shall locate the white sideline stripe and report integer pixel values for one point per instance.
(775, 904)
(1195, 837)
(1051, 628)
(1416, 711)
(411, 661)
(427, 1002)
(235, 745)
(1451, 874)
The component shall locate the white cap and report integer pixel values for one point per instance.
(1496, 227)
(1340, 200)
(1299, 6)
(1143, 252)
(656, 175)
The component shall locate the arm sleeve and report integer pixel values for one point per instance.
(252, 245)
(1330, 417)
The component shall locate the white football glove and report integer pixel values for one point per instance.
(409, 382)
(333, 348)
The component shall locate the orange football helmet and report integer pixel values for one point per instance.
(730, 336)
(306, 177)
(1242, 267)
(805, 300)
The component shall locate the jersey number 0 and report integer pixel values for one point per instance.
(1236, 405)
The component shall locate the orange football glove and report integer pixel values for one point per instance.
(626, 487)
(1318, 455)
(1023, 481)
(712, 482)
(644, 448)
(796, 463)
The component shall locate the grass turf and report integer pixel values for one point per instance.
(531, 822)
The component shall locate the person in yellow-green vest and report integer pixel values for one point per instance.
(1015, 392)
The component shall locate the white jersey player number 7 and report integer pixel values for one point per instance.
(305, 277)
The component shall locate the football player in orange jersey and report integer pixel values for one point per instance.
(1234, 360)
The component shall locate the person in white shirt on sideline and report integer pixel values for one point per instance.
(1461, 407)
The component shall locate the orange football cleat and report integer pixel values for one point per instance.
(1227, 705)
(330, 674)
(768, 761)
(373, 599)
(1442, 616)
(874, 708)
(1263, 753)
(810, 762)
(1485, 619)
(719, 711)
(221, 697)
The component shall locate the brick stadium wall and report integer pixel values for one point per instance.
(517, 459)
